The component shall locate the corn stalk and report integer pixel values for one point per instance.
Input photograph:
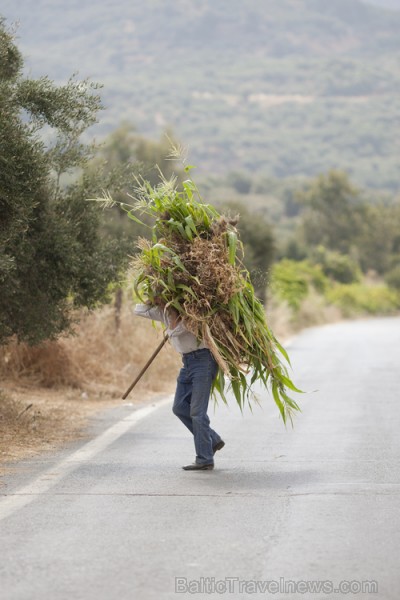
(193, 264)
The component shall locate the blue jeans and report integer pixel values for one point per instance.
(191, 401)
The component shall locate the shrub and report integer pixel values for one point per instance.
(241, 182)
(339, 267)
(291, 281)
(356, 298)
(52, 254)
(392, 278)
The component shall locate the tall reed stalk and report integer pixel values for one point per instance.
(193, 264)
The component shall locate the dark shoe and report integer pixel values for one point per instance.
(218, 446)
(197, 467)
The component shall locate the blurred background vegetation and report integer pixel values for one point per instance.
(289, 110)
(279, 89)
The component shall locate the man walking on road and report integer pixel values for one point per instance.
(193, 385)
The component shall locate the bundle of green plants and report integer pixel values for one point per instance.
(193, 263)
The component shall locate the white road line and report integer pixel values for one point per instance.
(49, 478)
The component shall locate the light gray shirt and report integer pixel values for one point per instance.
(181, 339)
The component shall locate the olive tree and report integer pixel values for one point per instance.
(52, 256)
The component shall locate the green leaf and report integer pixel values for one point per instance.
(290, 401)
(234, 308)
(185, 288)
(177, 261)
(134, 218)
(232, 245)
(282, 350)
(289, 383)
(181, 230)
(236, 390)
(278, 402)
(190, 223)
(171, 282)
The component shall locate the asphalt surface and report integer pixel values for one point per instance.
(284, 509)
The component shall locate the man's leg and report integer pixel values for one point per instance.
(183, 394)
(215, 437)
(203, 369)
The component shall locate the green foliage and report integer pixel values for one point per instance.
(322, 92)
(241, 182)
(291, 281)
(379, 245)
(352, 229)
(69, 108)
(295, 250)
(334, 215)
(356, 299)
(125, 146)
(192, 265)
(51, 256)
(258, 241)
(10, 57)
(392, 278)
(123, 156)
(338, 267)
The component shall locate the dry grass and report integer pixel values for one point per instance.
(99, 359)
(49, 391)
(34, 420)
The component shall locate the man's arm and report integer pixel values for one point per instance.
(155, 313)
(169, 317)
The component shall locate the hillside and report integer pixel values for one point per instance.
(391, 4)
(284, 88)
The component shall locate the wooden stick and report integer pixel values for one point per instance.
(146, 366)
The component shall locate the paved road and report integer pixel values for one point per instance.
(119, 519)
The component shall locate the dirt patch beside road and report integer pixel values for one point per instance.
(49, 392)
(34, 420)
